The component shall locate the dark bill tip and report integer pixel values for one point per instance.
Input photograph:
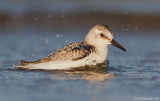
(116, 44)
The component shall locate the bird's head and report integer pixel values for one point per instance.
(101, 35)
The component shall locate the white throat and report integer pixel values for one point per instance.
(101, 53)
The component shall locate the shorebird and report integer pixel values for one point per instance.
(92, 51)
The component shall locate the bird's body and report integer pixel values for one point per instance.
(93, 50)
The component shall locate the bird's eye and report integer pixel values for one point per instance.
(102, 35)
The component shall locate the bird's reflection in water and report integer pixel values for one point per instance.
(90, 76)
(89, 73)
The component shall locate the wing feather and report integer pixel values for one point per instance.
(73, 51)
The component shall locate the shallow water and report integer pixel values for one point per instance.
(130, 75)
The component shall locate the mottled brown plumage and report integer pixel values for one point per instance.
(103, 27)
(72, 51)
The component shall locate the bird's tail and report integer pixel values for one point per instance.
(26, 64)
(22, 63)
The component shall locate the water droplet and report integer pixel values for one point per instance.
(136, 28)
(77, 12)
(50, 16)
(62, 16)
(36, 19)
(57, 36)
(16, 19)
(46, 32)
(33, 54)
(126, 13)
(61, 35)
(62, 10)
(46, 40)
(22, 47)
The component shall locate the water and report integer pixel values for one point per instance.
(130, 75)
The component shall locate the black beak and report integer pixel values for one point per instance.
(116, 44)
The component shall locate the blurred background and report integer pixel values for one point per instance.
(32, 29)
(142, 15)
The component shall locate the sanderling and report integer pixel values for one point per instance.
(93, 50)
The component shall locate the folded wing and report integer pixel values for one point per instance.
(74, 51)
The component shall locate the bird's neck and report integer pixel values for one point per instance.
(101, 53)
